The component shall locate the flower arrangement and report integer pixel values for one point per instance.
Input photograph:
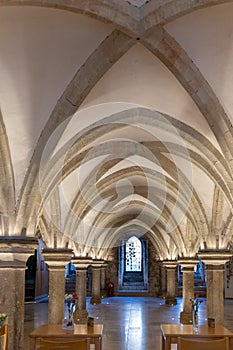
(3, 318)
(68, 322)
(70, 300)
(195, 303)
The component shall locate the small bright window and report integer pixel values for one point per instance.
(133, 255)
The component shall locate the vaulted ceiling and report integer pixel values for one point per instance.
(116, 119)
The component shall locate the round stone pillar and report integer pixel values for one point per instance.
(56, 260)
(171, 268)
(188, 265)
(80, 313)
(14, 252)
(215, 261)
(96, 266)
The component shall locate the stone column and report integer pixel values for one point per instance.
(103, 276)
(171, 266)
(188, 265)
(215, 261)
(81, 264)
(14, 252)
(56, 259)
(96, 265)
(163, 280)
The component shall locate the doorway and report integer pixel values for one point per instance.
(133, 265)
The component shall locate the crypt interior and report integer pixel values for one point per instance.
(115, 159)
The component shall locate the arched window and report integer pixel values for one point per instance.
(133, 255)
(133, 264)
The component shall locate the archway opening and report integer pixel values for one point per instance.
(133, 266)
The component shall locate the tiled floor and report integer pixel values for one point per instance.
(130, 323)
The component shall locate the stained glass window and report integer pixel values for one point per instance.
(133, 255)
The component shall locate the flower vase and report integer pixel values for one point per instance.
(68, 321)
(195, 321)
(2, 328)
(2, 331)
(68, 324)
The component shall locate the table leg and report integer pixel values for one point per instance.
(98, 343)
(32, 343)
(230, 343)
(163, 343)
(168, 343)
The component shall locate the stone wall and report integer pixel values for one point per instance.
(153, 271)
(112, 270)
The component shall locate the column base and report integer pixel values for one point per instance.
(80, 316)
(95, 300)
(170, 301)
(186, 317)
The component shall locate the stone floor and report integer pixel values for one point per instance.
(130, 323)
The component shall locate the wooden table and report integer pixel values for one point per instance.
(55, 331)
(171, 332)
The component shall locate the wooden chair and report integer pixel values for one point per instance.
(58, 344)
(202, 344)
(4, 337)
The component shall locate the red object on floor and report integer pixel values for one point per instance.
(110, 289)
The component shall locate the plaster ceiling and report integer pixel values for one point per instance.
(209, 44)
(91, 117)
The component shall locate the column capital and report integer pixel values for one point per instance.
(57, 257)
(81, 262)
(15, 250)
(188, 263)
(105, 264)
(96, 263)
(214, 257)
(170, 264)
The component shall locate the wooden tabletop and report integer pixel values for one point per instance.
(176, 330)
(55, 330)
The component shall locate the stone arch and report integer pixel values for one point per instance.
(156, 13)
(115, 46)
(7, 187)
(177, 61)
